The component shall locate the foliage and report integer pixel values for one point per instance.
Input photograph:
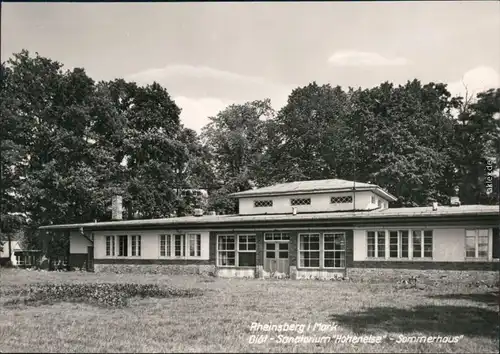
(101, 294)
(68, 144)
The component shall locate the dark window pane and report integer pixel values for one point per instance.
(270, 246)
(283, 254)
(283, 246)
(246, 259)
(270, 254)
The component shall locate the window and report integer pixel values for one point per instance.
(110, 245)
(262, 203)
(334, 250)
(246, 250)
(180, 245)
(195, 245)
(122, 246)
(227, 250)
(309, 250)
(376, 244)
(300, 201)
(379, 203)
(136, 246)
(476, 243)
(422, 243)
(374, 201)
(341, 200)
(237, 250)
(276, 236)
(165, 246)
(398, 244)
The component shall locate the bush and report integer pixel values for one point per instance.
(102, 294)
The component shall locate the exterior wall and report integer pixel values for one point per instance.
(448, 245)
(5, 253)
(159, 266)
(78, 244)
(150, 244)
(319, 202)
(428, 276)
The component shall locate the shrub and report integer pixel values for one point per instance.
(102, 294)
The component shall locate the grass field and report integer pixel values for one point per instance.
(220, 319)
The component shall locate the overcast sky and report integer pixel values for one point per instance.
(209, 55)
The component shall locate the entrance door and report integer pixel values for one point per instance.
(276, 257)
(90, 259)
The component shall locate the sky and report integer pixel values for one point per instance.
(210, 55)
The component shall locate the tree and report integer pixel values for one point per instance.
(477, 146)
(236, 141)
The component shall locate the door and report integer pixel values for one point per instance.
(90, 258)
(276, 257)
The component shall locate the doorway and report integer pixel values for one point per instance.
(276, 257)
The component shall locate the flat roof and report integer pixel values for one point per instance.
(391, 213)
(316, 186)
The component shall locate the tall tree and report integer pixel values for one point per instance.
(236, 140)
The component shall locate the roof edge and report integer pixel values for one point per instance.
(248, 194)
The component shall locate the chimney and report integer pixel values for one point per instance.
(116, 207)
(434, 206)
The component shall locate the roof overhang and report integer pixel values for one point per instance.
(380, 192)
(299, 220)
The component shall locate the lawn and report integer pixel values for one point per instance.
(220, 317)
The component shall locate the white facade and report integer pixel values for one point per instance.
(14, 245)
(150, 244)
(78, 243)
(448, 244)
(320, 202)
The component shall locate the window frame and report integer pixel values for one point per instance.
(476, 237)
(399, 245)
(349, 199)
(377, 245)
(294, 200)
(112, 245)
(236, 249)
(256, 203)
(423, 244)
(300, 250)
(343, 250)
(135, 245)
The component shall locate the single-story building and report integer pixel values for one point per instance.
(325, 228)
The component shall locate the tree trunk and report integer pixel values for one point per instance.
(9, 238)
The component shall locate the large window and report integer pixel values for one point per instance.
(309, 250)
(246, 250)
(236, 250)
(375, 244)
(422, 243)
(110, 245)
(476, 243)
(136, 245)
(398, 244)
(334, 250)
(122, 246)
(402, 244)
(227, 250)
(180, 245)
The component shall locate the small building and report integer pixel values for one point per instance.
(325, 228)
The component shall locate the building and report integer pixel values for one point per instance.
(19, 257)
(326, 228)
